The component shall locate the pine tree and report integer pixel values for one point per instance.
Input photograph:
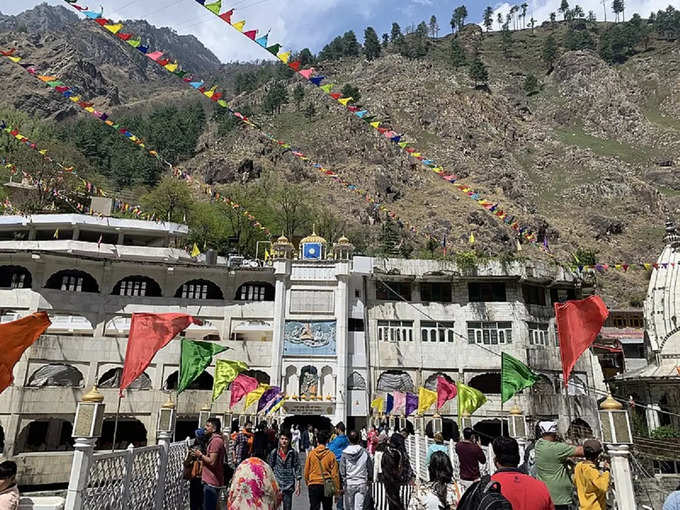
(390, 239)
(350, 90)
(524, 14)
(298, 95)
(351, 45)
(457, 55)
(371, 44)
(434, 28)
(385, 41)
(549, 52)
(553, 17)
(617, 7)
(396, 33)
(499, 19)
(531, 85)
(488, 18)
(478, 73)
(276, 96)
(306, 57)
(458, 18)
(564, 7)
(532, 24)
(506, 40)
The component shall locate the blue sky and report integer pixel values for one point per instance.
(310, 23)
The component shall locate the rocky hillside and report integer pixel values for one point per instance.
(590, 161)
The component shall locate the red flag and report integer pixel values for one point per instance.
(445, 391)
(295, 66)
(578, 323)
(150, 332)
(240, 387)
(226, 16)
(250, 34)
(15, 338)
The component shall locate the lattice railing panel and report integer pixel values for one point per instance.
(106, 482)
(176, 494)
(144, 477)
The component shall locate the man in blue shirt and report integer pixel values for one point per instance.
(337, 446)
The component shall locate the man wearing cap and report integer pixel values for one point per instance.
(551, 464)
(591, 483)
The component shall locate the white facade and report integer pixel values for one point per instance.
(314, 326)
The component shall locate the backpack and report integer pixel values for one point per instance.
(394, 463)
(484, 495)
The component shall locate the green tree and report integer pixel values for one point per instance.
(371, 44)
(434, 27)
(478, 73)
(396, 34)
(333, 50)
(457, 54)
(488, 18)
(206, 226)
(564, 7)
(389, 239)
(577, 11)
(310, 111)
(352, 48)
(524, 14)
(591, 17)
(513, 10)
(171, 200)
(499, 19)
(349, 90)
(385, 40)
(458, 18)
(532, 24)
(618, 8)
(506, 40)
(531, 85)
(553, 17)
(549, 52)
(298, 95)
(276, 97)
(578, 40)
(306, 58)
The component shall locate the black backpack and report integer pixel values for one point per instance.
(484, 495)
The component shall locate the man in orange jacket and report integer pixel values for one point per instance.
(321, 464)
(242, 444)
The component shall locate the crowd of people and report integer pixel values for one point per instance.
(264, 470)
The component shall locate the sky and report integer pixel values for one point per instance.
(297, 24)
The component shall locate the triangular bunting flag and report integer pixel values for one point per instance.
(295, 66)
(114, 29)
(375, 124)
(226, 16)
(250, 34)
(306, 73)
(283, 57)
(274, 49)
(262, 41)
(345, 100)
(327, 88)
(317, 80)
(336, 95)
(214, 7)
(239, 25)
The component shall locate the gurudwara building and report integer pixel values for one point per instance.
(331, 328)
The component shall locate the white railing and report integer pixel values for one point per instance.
(132, 479)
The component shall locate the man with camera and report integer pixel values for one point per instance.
(470, 456)
(591, 482)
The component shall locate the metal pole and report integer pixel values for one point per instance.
(115, 425)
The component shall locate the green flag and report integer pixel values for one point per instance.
(196, 356)
(225, 371)
(469, 399)
(515, 376)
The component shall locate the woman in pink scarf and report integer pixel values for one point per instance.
(372, 440)
(253, 487)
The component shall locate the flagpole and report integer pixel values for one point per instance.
(115, 424)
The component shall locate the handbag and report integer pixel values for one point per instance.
(328, 483)
(192, 467)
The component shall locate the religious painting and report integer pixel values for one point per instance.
(309, 381)
(309, 338)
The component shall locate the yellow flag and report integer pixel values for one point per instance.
(276, 407)
(239, 25)
(472, 238)
(75, 99)
(114, 29)
(469, 399)
(56, 234)
(172, 67)
(283, 57)
(375, 124)
(15, 59)
(647, 265)
(43, 151)
(255, 395)
(47, 78)
(425, 399)
(266, 255)
(225, 372)
(195, 252)
(345, 100)
(378, 403)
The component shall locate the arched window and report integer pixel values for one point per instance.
(576, 386)
(395, 380)
(72, 280)
(45, 436)
(262, 377)
(15, 277)
(431, 382)
(203, 382)
(199, 289)
(111, 379)
(543, 386)
(137, 285)
(56, 374)
(579, 429)
(255, 291)
(356, 381)
(130, 431)
(487, 383)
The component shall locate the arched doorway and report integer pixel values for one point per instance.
(202, 382)
(130, 431)
(302, 421)
(45, 436)
(186, 427)
(579, 429)
(449, 429)
(488, 430)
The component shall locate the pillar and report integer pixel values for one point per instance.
(83, 451)
(341, 338)
(622, 476)
(652, 416)
(281, 272)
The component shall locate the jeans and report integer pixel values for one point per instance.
(195, 494)
(317, 499)
(287, 499)
(210, 495)
(354, 496)
(339, 503)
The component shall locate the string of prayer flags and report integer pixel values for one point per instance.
(378, 404)
(391, 135)
(199, 86)
(255, 395)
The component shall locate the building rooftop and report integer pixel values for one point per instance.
(100, 224)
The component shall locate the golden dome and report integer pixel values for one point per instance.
(343, 240)
(515, 410)
(611, 404)
(314, 238)
(93, 396)
(282, 239)
(169, 404)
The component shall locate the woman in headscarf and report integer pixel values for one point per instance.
(396, 473)
(253, 487)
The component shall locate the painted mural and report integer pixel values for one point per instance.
(309, 338)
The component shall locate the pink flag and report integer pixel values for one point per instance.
(241, 386)
(399, 401)
(307, 73)
(445, 391)
(155, 55)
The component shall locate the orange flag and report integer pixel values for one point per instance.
(15, 338)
